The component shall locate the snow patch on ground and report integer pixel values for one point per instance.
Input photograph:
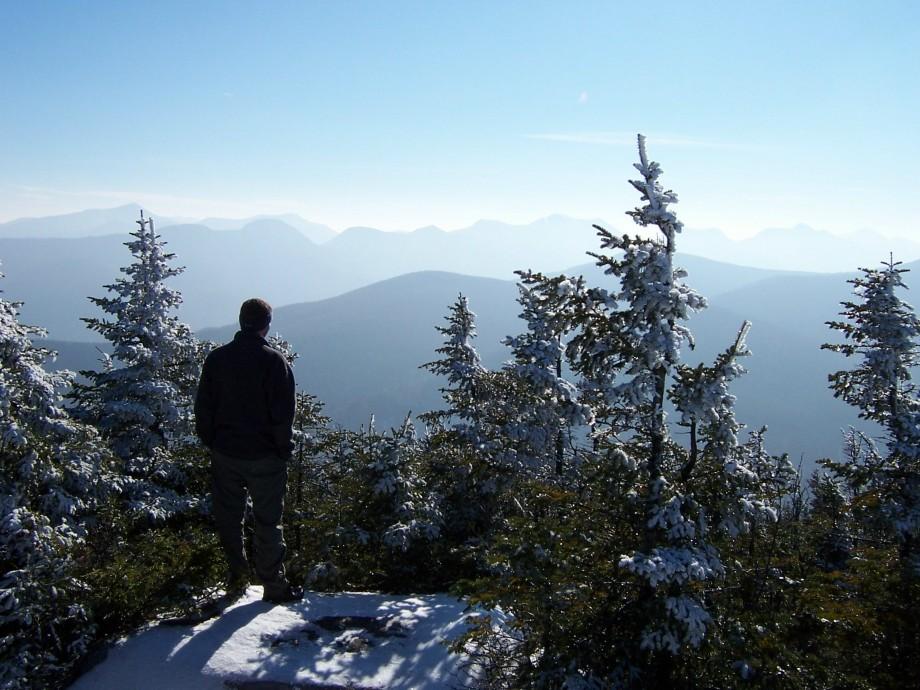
(351, 640)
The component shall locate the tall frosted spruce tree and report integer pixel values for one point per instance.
(629, 351)
(141, 399)
(882, 334)
(53, 471)
(609, 581)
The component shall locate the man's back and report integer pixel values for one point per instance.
(245, 402)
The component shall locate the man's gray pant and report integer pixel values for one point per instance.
(265, 479)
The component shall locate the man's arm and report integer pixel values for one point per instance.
(281, 405)
(204, 406)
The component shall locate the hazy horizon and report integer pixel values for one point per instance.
(167, 219)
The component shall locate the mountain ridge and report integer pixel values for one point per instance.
(800, 247)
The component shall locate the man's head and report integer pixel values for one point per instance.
(255, 316)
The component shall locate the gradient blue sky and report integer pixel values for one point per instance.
(402, 114)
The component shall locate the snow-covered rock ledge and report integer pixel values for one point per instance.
(327, 641)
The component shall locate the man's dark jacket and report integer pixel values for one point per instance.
(245, 402)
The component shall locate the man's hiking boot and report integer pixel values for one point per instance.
(284, 594)
(235, 587)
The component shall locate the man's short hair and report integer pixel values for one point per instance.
(255, 314)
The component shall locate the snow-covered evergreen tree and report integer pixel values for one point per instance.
(51, 462)
(547, 407)
(883, 333)
(469, 465)
(490, 437)
(830, 503)
(277, 341)
(628, 346)
(141, 399)
(610, 579)
(628, 350)
(735, 476)
(379, 513)
(397, 480)
(777, 476)
(52, 473)
(466, 390)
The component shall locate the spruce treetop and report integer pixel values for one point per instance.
(460, 364)
(884, 332)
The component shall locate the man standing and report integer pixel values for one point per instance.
(244, 412)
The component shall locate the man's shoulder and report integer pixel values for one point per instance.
(251, 350)
(275, 355)
(221, 354)
(219, 351)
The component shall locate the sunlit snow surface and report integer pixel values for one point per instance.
(327, 641)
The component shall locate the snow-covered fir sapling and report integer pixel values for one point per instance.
(53, 471)
(465, 438)
(307, 478)
(465, 392)
(51, 462)
(830, 504)
(882, 332)
(778, 478)
(381, 512)
(543, 416)
(277, 341)
(141, 399)
(629, 344)
(414, 510)
(735, 491)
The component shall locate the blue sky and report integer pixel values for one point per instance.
(403, 114)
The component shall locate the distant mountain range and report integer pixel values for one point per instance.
(90, 223)
(121, 220)
(315, 232)
(799, 248)
(268, 256)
